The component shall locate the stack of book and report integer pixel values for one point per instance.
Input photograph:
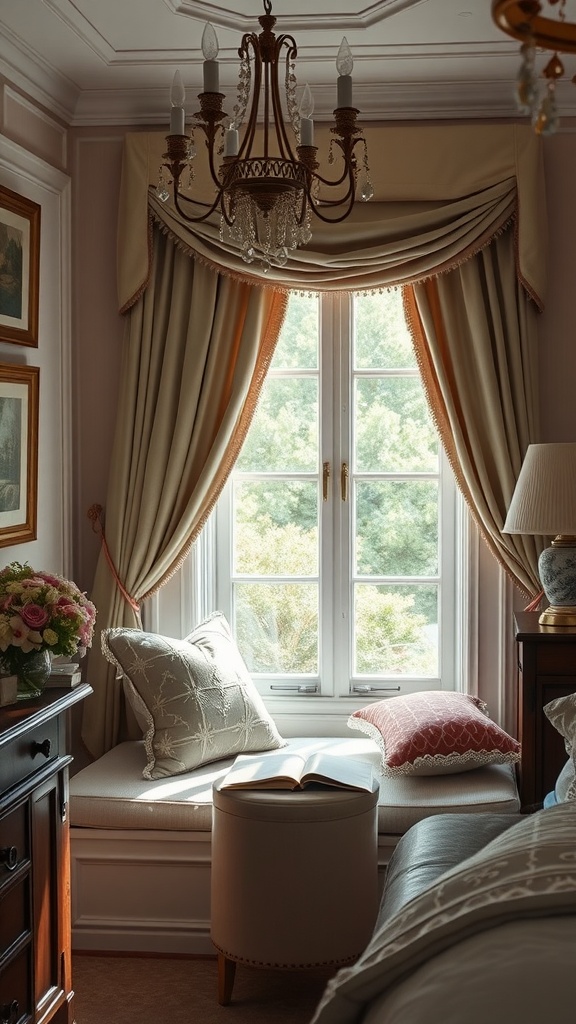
(64, 676)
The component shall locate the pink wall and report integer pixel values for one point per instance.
(97, 328)
(557, 324)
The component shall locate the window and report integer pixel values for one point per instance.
(336, 537)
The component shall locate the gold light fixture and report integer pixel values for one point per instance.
(267, 183)
(527, 21)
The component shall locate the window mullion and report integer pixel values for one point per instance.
(340, 608)
(328, 569)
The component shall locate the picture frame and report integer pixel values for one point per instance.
(19, 391)
(19, 268)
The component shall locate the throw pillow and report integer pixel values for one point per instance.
(434, 733)
(195, 695)
(562, 715)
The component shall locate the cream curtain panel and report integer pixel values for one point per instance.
(460, 214)
(485, 404)
(197, 348)
(443, 195)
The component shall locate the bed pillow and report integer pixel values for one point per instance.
(562, 715)
(434, 733)
(194, 696)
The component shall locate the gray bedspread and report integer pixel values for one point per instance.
(527, 873)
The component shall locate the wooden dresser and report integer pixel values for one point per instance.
(35, 958)
(546, 670)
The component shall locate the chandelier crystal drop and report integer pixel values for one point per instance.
(266, 189)
(540, 25)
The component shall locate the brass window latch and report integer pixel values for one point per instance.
(344, 475)
(344, 478)
(325, 480)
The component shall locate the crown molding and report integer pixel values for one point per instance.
(398, 101)
(490, 95)
(24, 70)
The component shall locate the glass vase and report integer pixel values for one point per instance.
(32, 671)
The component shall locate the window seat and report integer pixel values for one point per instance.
(140, 849)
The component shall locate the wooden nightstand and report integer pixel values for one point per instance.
(35, 979)
(546, 670)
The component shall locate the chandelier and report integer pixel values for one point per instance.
(262, 159)
(524, 20)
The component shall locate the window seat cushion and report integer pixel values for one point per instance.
(112, 794)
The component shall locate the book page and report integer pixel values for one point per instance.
(249, 770)
(341, 771)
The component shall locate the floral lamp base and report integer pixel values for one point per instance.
(557, 569)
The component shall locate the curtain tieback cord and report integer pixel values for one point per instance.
(95, 516)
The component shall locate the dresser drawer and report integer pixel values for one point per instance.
(14, 915)
(557, 659)
(14, 841)
(29, 752)
(16, 989)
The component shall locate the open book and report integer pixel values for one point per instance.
(296, 771)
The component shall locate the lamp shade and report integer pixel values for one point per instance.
(544, 499)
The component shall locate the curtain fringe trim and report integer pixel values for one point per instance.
(140, 291)
(443, 427)
(259, 281)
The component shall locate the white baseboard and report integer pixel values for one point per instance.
(146, 891)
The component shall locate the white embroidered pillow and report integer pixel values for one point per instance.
(562, 715)
(195, 696)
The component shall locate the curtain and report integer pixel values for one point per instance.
(440, 193)
(444, 197)
(196, 352)
(476, 343)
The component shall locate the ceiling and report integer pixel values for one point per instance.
(112, 61)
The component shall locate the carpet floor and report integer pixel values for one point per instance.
(134, 989)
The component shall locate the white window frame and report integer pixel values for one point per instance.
(336, 698)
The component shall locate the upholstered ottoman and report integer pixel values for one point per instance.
(294, 877)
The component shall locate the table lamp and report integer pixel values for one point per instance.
(544, 503)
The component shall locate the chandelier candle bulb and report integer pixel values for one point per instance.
(344, 85)
(306, 122)
(268, 192)
(231, 142)
(210, 52)
(306, 131)
(211, 76)
(177, 97)
(344, 66)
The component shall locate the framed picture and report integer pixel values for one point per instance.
(19, 268)
(18, 453)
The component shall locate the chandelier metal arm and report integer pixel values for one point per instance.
(265, 191)
(250, 43)
(284, 143)
(178, 197)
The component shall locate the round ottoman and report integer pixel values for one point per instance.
(294, 877)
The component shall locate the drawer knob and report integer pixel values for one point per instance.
(9, 857)
(10, 1012)
(40, 748)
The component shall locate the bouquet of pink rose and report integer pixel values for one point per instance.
(41, 612)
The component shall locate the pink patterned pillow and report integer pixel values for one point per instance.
(434, 733)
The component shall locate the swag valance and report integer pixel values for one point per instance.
(441, 193)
